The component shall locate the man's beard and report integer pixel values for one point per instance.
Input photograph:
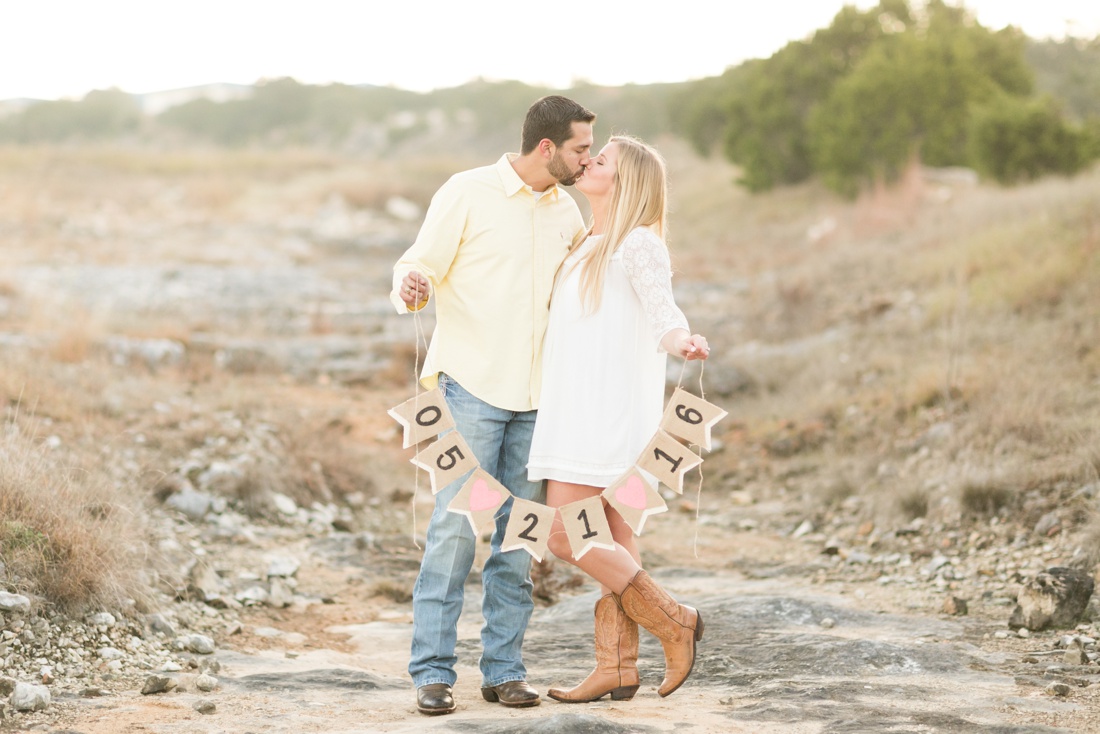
(559, 170)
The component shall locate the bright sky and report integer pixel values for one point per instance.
(65, 48)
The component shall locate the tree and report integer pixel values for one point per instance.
(1015, 139)
(100, 114)
(914, 93)
(767, 122)
(1069, 70)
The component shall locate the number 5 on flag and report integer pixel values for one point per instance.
(446, 460)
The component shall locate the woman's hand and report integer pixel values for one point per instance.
(694, 347)
(688, 346)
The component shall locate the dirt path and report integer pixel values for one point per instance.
(782, 654)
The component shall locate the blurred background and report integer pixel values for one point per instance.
(885, 219)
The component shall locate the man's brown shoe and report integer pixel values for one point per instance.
(514, 693)
(434, 699)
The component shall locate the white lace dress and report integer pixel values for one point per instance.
(604, 373)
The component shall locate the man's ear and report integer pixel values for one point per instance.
(547, 148)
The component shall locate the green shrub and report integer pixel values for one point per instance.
(1014, 140)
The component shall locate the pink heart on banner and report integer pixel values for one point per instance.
(482, 497)
(632, 494)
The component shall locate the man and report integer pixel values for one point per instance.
(487, 252)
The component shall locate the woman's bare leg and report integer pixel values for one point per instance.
(612, 568)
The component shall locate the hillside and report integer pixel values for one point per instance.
(910, 376)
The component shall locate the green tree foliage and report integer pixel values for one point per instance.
(100, 114)
(1015, 139)
(914, 93)
(699, 110)
(1068, 70)
(852, 103)
(284, 110)
(760, 110)
(1092, 138)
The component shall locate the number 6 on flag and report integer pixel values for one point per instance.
(691, 418)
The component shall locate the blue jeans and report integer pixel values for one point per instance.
(501, 442)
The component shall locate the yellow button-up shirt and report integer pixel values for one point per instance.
(490, 250)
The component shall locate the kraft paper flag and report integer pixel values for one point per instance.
(529, 526)
(446, 460)
(634, 498)
(668, 460)
(586, 526)
(479, 499)
(691, 418)
(423, 417)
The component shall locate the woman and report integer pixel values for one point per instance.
(613, 319)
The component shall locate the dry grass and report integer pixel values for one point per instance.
(986, 496)
(976, 309)
(913, 503)
(79, 550)
(395, 591)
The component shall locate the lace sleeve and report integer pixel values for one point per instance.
(649, 270)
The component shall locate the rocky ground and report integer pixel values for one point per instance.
(230, 351)
(300, 626)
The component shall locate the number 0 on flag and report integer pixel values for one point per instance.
(423, 417)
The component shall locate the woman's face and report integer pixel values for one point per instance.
(599, 176)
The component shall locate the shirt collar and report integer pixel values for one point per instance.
(513, 184)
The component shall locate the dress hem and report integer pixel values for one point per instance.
(536, 474)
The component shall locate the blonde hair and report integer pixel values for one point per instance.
(639, 199)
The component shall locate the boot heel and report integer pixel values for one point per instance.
(698, 625)
(623, 693)
(489, 695)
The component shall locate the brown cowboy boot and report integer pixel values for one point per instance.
(678, 627)
(616, 659)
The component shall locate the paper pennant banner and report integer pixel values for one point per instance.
(446, 460)
(634, 498)
(423, 416)
(479, 499)
(529, 527)
(691, 418)
(586, 526)
(668, 460)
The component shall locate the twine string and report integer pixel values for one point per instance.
(699, 453)
(418, 335)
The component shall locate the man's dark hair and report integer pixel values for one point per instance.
(552, 117)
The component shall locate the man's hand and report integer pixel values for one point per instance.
(414, 290)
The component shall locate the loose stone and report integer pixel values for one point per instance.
(28, 697)
(157, 684)
(14, 603)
